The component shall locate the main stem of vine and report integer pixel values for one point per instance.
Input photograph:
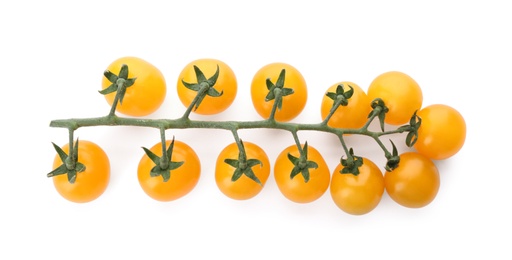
(73, 124)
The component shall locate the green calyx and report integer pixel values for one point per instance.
(412, 128)
(340, 97)
(301, 164)
(70, 164)
(119, 82)
(243, 166)
(277, 91)
(379, 110)
(351, 164)
(393, 159)
(203, 86)
(163, 165)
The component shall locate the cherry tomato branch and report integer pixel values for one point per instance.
(170, 169)
(185, 123)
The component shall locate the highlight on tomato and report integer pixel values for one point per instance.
(357, 194)
(442, 132)
(401, 94)
(242, 176)
(140, 87)
(173, 179)
(285, 79)
(415, 182)
(90, 176)
(216, 77)
(301, 179)
(352, 112)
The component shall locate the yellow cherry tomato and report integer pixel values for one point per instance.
(292, 104)
(415, 182)
(297, 189)
(353, 115)
(401, 94)
(89, 184)
(226, 83)
(182, 180)
(148, 92)
(243, 188)
(358, 195)
(442, 132)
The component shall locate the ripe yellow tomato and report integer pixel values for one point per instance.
(292, 104)
(401, 94)
(226, 83)
(243, 188)
(89, 184)
(442, 132)
(358, 195)
(183, 179)
(353, 115)
(297, 189)
(148, 92)
(415, 182)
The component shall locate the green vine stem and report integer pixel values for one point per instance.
(205, 87)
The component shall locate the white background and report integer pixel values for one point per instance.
(52, 57)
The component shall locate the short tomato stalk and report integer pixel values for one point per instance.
(276, 91)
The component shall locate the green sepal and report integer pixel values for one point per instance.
(293, 159)
(129, 82)
(280, 79)
(232, 162)
(199, 75)
(58, 171)
(270, 87)
(213, 79)
(331, 95)
(214, 93)
(152, 156)
(109, 89)
(62, 155)
(110, 76)
(194, 87)
(348, 94)
(253, 162)
(295, 172)
(123, 72)
(237, 174)
(286, 92)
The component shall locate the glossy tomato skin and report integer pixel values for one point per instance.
(442, 132)
(401, 94)
(296, 189)
(244, 188)
(415, 182)
(148, 92)
(292, 104)
(183, 179)
(354, 115)
(226, 83)
(89, 184)
(358, 195)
